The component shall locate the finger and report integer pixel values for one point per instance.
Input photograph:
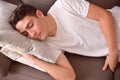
(112, 69)
(105, 66)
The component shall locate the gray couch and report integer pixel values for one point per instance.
(86, 68)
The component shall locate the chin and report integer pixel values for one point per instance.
(43, 38)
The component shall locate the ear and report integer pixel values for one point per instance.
(39, 14)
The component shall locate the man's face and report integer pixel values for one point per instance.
(32, 27)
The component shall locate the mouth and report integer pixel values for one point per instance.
(39, 36)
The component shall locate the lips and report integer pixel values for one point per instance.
(39, 35)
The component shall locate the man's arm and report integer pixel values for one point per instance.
(61, 70)
(109, 30)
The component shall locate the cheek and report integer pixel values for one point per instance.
(37, 28)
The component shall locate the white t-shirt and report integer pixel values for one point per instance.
(76, 33)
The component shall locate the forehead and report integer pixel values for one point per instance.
(21, 25)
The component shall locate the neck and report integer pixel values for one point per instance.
(51, 24)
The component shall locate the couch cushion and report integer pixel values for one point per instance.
(29, 71)
(89, 68)
(117, 73)
(5, 64)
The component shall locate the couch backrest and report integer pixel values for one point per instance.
(44, 5)
(17, 2)
(105, 3)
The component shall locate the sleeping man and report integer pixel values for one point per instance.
(75, 26)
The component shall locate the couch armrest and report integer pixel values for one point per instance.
(5, 63)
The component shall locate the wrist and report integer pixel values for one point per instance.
(113, 51)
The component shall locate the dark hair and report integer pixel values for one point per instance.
(20, 12)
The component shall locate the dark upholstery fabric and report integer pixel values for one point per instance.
(117, 73)
(43, 5)
(23, 72)
(4, 65)
(118, 3)
(105, 3)
(16, 2)
(89, 68)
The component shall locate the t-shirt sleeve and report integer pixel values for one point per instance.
(44, 51)
(78, 7)
(53, 53)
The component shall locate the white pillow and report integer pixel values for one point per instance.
(13, 43)
(5, 11)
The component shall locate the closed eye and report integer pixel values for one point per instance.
(25, 33)
(30, 25)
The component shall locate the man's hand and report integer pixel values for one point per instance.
(111, 62)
